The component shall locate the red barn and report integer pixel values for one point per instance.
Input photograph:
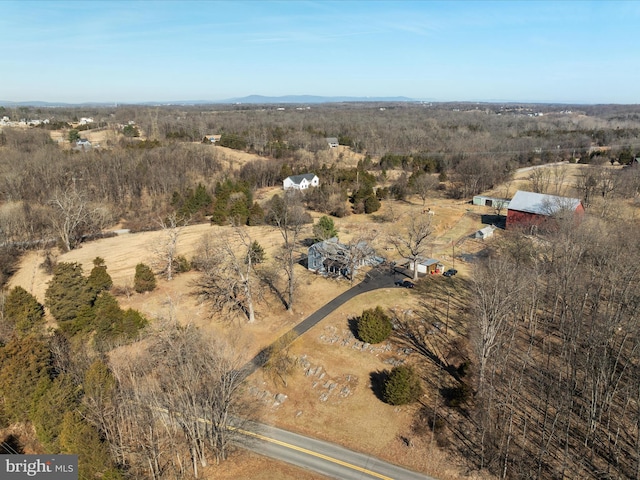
(530, 209)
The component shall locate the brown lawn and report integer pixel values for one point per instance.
(329, 393)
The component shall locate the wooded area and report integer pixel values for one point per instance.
(547, 383)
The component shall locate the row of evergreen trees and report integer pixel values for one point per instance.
(46, 376)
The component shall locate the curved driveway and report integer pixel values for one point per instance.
(376, 278)
(323, 457)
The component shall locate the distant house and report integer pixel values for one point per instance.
(531, 209)
(212, 139)
(333, 142)
(301, 182)
(83, 143)
(485, 232)
(333, 257)
(426, 266)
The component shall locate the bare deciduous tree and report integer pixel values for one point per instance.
(174, 401)
(73, 215)
(227, 278)
(539, 179)
(288, 215)
(412, 243)
(424, 185)
(165, 249)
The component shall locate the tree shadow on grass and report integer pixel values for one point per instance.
(353, 326)
(378, 379)
(11, 446)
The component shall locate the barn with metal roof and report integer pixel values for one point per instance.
(529, 208)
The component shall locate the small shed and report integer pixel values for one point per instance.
(426, 266)
(485, 232)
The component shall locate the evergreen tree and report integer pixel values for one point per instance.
(324, 229)
(132, 322)
(256, 215)
(144, 279)
(402, 386)
(256, 252)
(108, 317)
(99, 279)
(49, 409)
(23, 311)
(25, 369)
(67, 292)
(374, 326)
(78, 437)
(371, 204)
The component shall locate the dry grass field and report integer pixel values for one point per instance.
(354, 416)
(329, 394)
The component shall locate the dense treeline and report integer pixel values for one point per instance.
(137, 181)
(557, 347)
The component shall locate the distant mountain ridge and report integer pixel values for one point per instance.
(250, 99)
(258, 99)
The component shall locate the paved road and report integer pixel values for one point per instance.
(323, 457)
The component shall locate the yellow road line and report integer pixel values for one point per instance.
(311, 452)
(295, 447)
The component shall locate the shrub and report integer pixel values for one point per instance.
(144, 279)
(374, 326)
(371, 204)
(402, 386)
(181, 264)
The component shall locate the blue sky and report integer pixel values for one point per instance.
(135, 51)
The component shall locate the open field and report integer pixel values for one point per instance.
(358, 419)
(329, 394)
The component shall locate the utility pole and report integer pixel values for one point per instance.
(446, 325)
(453, 253)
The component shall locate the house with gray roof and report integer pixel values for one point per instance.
(332, 257)
(301, 182)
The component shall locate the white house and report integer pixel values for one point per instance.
(333, 142)
(301, 182)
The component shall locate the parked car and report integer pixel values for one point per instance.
(450, 273)
(405, 283)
